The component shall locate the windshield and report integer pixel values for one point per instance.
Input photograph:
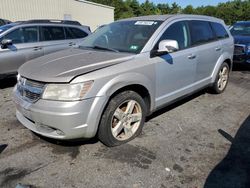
(123, 36)
(241, 29)
(6, 27)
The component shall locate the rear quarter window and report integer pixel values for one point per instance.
(74, 33)
(201, 32)
(219, 30)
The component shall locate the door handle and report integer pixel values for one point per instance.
(217, 49)
(37, 48)
(72, 44)
(192, 56)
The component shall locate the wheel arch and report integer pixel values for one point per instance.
(225, 57)
(140, 89)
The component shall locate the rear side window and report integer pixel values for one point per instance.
(177, 31)
(201, 32)
(219, 30)
(74, 33)
(49, 33)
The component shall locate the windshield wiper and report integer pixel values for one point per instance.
(101, 48)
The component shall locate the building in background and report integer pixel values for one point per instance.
(87, 13)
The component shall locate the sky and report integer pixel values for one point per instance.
(184, 3)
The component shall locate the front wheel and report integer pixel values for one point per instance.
(222, 78)
(122, 119)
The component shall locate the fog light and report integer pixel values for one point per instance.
(44, 128)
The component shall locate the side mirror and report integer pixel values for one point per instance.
(167, 46)
(5, 43)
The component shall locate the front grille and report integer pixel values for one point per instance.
(239, 49)
(30, 90)
(34, 83)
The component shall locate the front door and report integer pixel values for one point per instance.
(175, 71)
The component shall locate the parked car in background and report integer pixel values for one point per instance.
(26, 40)
(4, 22)
(241, 34)
(122, 73)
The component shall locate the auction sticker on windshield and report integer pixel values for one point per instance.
(145, 23)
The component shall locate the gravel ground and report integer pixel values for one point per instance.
(201, 141)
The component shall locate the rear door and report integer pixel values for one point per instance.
(53, 38)
(208, 49)
(25, 47)
(223, 36)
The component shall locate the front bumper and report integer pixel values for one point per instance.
(60, 120)
(244, 58)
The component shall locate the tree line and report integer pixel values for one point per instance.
(230, 11)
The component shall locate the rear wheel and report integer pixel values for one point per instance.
(221, 81)
(123, 119)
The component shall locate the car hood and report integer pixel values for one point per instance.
(64, 65)
(242, 40)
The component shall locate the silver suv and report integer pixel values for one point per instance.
(120, 74)
(23, 41)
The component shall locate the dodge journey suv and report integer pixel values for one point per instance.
(26, 40)
(120, 74)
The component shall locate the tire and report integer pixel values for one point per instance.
(221, 80)
(123, 119)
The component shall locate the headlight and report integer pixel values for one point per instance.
(66, 92)
(248, 48)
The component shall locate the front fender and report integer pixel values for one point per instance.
(125, 80)
(107, 90)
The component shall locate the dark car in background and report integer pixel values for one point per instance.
(4, 22)
(26, 40)
(241, 33)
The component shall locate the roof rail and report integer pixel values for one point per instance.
(70, 22)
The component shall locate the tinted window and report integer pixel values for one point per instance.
(74, 33)
(16, 36)
(219, 30)
(52, 33)
(30, 34)
(201, 32)
(179, 32)
(2, 22)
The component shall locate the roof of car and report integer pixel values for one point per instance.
(167, 16)
(50, 22)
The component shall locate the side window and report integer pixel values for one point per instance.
(201, 32)
(30, 34)
(49, 33)
(16, 36)
(74, 33)
(179, 32)
(1, 22)
(219, 30)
